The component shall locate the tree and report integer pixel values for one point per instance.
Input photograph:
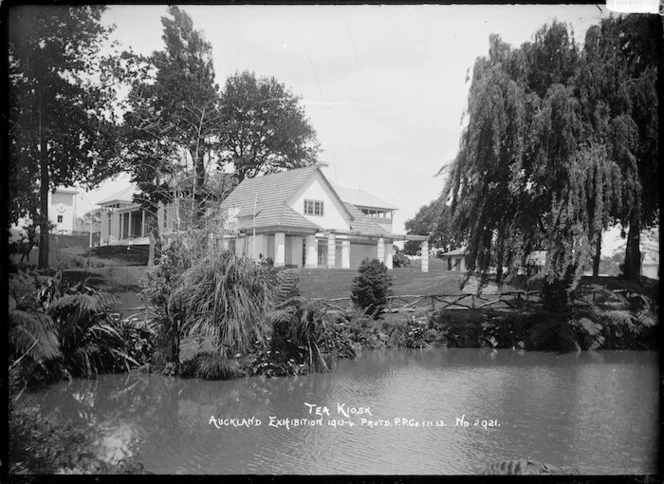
(482, 189)
(371, 287)
(172, 118)
(62, 126)
(263, 128)
(618, 88)
(530, 174)
(433, 220)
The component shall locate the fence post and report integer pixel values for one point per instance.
(433, 302)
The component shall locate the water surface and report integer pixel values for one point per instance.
(596, 411)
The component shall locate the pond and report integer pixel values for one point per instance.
(436, 411)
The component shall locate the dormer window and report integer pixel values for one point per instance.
(313, 207)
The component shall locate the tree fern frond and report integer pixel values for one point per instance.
(620, 317)
(77, 302)
(590, 327)
(28, 327)
(646, 318)
(286, 285)
(208, 346)
(188, 349)
(597, 342)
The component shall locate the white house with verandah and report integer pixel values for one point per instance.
(297, 218)
(122, 220)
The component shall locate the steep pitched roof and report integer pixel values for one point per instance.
(124, 195)
(276, 189)
(360, 198)
(273, 192)
(363, 223)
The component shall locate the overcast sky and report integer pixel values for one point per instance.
(383, 86)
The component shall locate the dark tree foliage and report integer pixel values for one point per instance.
(560, 145)
(62, 129)
(433, 220)
(371, 287)
(173, 111)
(263, 127)
(618, 89)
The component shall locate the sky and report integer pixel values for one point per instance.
(384, 87)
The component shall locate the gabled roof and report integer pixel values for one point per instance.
(125, 195)
(273, 191)
(363, 223)
(276, 189)
(360, 198)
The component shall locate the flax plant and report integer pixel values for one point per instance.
(222, 301)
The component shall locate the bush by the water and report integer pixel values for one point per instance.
(40, 446)
(371, 287)
(222, 316)
(58, 330)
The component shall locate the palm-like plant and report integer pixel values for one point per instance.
(62, 329)
(222, 300)
(299, 328)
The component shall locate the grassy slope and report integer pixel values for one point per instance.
(123, 268)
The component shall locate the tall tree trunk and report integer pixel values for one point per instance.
(199, 209)
(598, 254)
(500, 259)
(632, 251)
(155, 239)
(43, 200)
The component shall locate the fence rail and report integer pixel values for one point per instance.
(463, 301)
(504, 300)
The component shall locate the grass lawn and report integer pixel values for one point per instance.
(337, 283)
(118, 270)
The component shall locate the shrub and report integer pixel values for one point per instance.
(40, 446)
(58, 330)
(303, 331)
(371, 287)
(225, 299)
(399, 258)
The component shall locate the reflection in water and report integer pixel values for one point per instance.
(594, 411)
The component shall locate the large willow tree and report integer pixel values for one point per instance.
(549, 158)
(617, 86)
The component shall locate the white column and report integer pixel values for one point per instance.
(425, 256)
(312, 251)
(462, 263)
(128, 226)
(331, 250)
(388, 257)
(345, 254)
(296, 251)
(381, 250)
(280, 249)
(142, 223)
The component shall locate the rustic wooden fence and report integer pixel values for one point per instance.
(412, 302)
(503, 300)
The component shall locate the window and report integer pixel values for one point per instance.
(313, 207)
(60, 219)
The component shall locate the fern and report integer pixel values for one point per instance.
(26, 328)
(287, 281)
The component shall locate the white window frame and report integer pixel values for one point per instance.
(314, 207)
